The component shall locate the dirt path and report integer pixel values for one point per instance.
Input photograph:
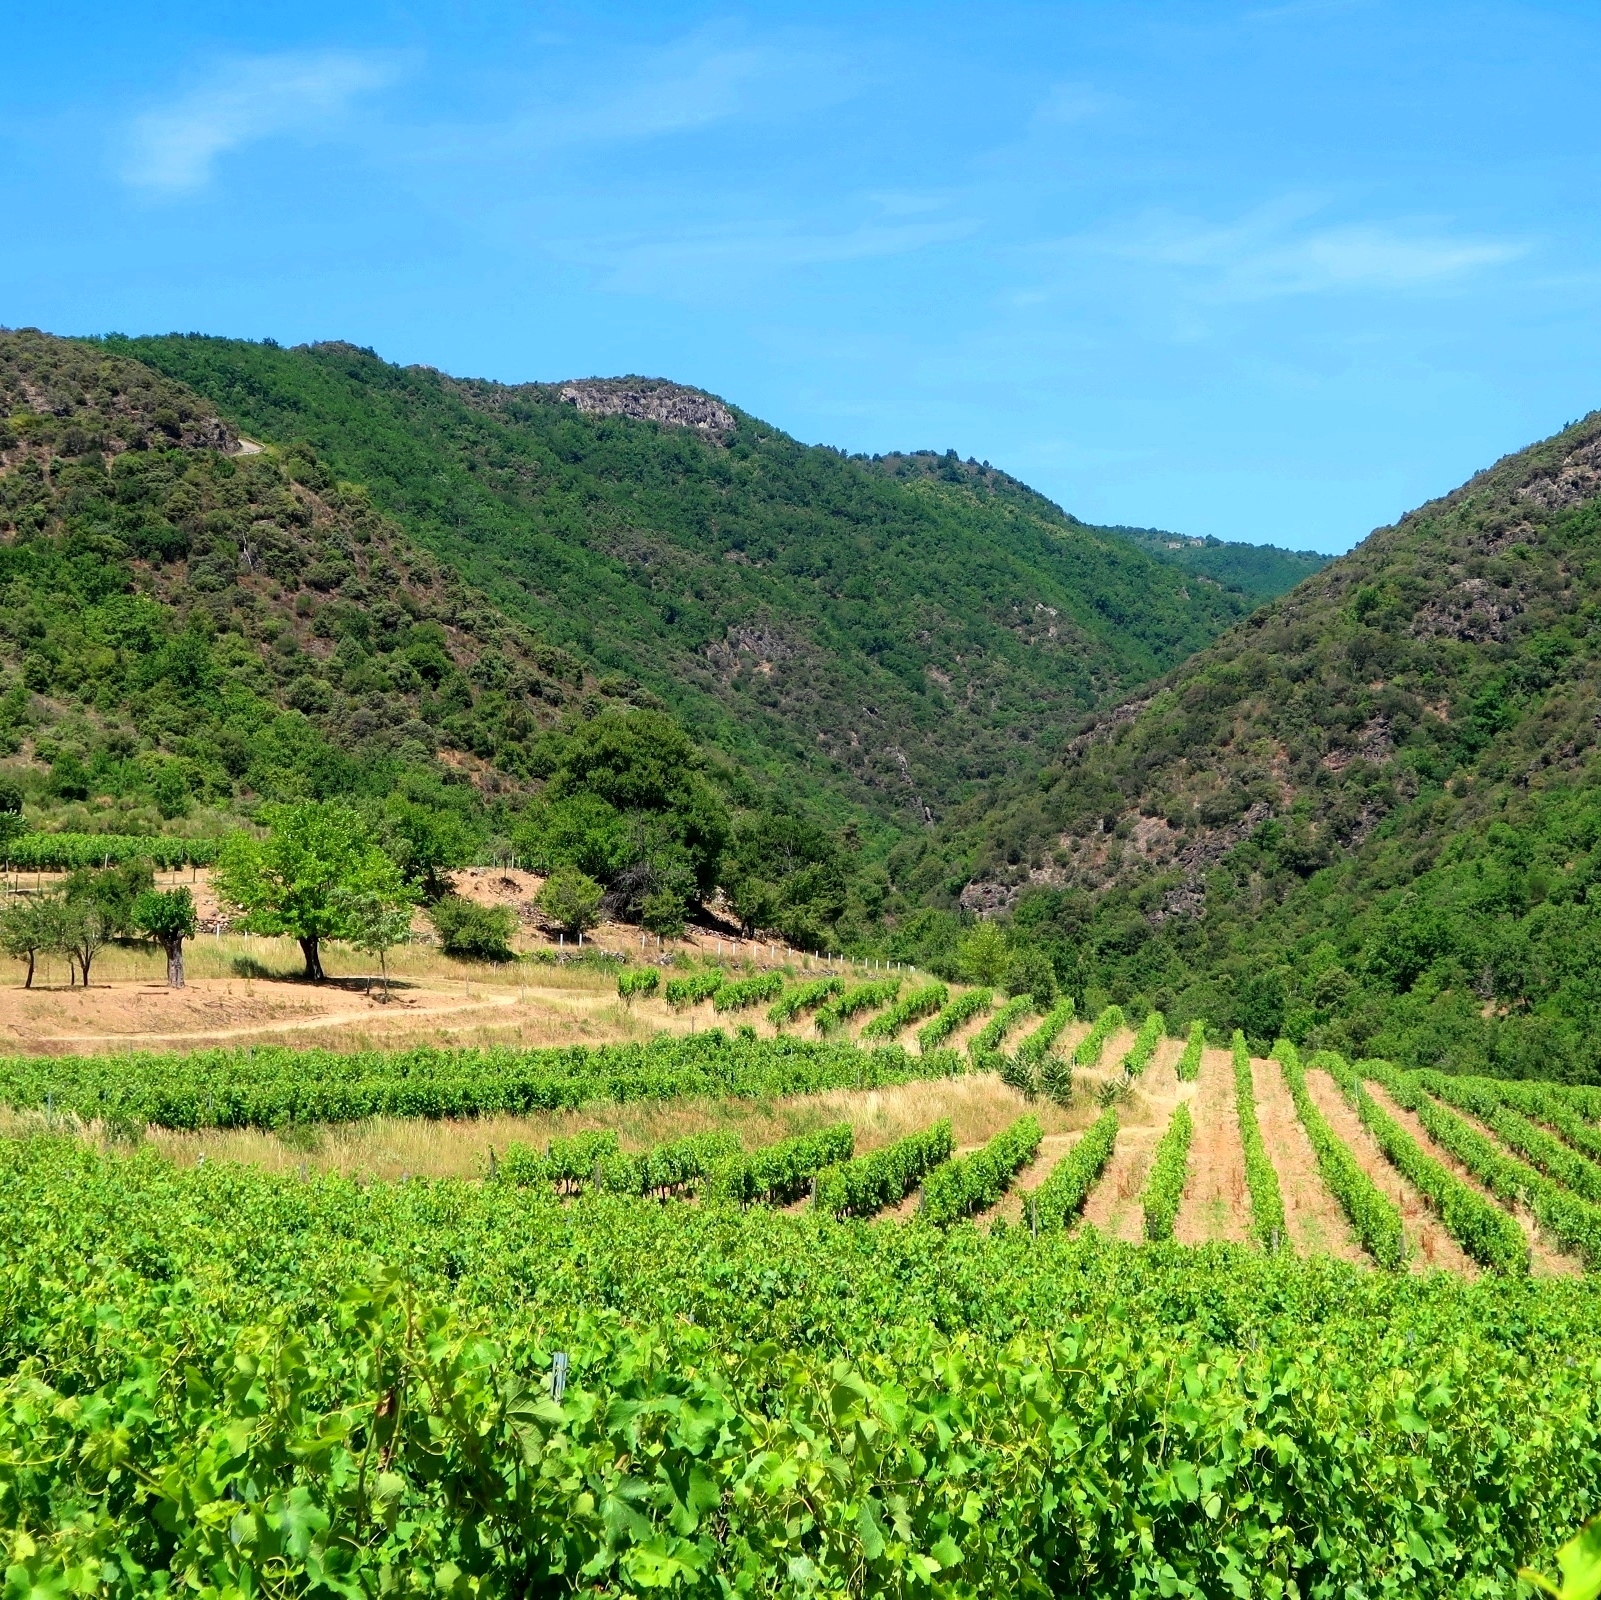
(1431, 1247)
(1312, 1216)
(1114, 1203)
(1216, 1203)
(1545, 1261)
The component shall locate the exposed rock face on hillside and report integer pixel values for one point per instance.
(649, 400)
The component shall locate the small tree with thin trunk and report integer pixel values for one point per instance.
(300, 882)
(84, 932)
(376, 927)
(25, 930)
(168, 917)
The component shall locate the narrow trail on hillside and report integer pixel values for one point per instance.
(1430, 1246)
(1113, 1207)
(1216, 1203)
(1312, 1216)
(1545, 1261)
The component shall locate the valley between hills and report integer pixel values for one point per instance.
(599, 999)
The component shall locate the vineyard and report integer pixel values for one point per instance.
(837, 1362)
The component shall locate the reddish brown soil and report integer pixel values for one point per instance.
(1544, 1261)
(1312, 1216)
(1431, 1246)
(1216, 1203)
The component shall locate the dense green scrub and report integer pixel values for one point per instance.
(268, 1087)
(208, 1379)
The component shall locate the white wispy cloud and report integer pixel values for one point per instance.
(174, 150)
(1280, 251)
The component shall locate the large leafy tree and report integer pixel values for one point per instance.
(168, 917)
(318, 861)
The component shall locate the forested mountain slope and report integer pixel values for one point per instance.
(1370, 815)
(187, 620)
(868, 639)
(1260, 571)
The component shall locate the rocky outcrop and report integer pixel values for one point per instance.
(649, 400)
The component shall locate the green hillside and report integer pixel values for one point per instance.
(1368, 817)
(1259, 571)
(873, 641)
(1262, 570)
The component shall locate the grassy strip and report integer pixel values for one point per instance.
(1088, 1053)
(696, 987)
(919, 1003)
(852, 1002)
(959, 1188)
(866, 1185)
(1261, 1177)
(1145, 1043)
(1061, 1197)
(271, 1087)
(1479, 1097)
(1164, 1188)
(1574, 1223)
(1480, 1226)
(804, 997)
(633, 981)
(1374, 1219)
(962, 1009)
(1189, 1066)
(986, 1043)
(779, 1173)
(744, 993)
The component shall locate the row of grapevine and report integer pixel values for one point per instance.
(1145, 1043)
(695, 987)
(1164, 1187)
(958, 1189)
(852, 1002)
(1373, 1218)
(274, 1086)
(574, 1164)
(66, 852)
(744, 993)
(962, 1009)
(1537, 1146)
(632, 981)
(985, 1045)
(804, 997)
(1061, 1197)
(1573, 1222)
(779, 1173)
(923, 1002)
(1088, 1053)
(1261, 1177)
(1189, 1064)
(602, 1397)
(1481, 1227)
(863, 1187)
(1036, 1065)
(1037, 1046)
(1544, 1102)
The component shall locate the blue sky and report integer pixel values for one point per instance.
(1272, 271)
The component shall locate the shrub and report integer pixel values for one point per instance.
(465, 928)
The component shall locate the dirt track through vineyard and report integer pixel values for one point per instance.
(1312, 1216)
(1544, 1261)
(1216, 1204)
(1430, 1245)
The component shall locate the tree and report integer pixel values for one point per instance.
(425, 842)
(26, 928)
(376, 927)
(571, 899)
(83, 931)
(300, 882)
(168, 917)
(466, 928)
(112, 891)
(984, 954)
